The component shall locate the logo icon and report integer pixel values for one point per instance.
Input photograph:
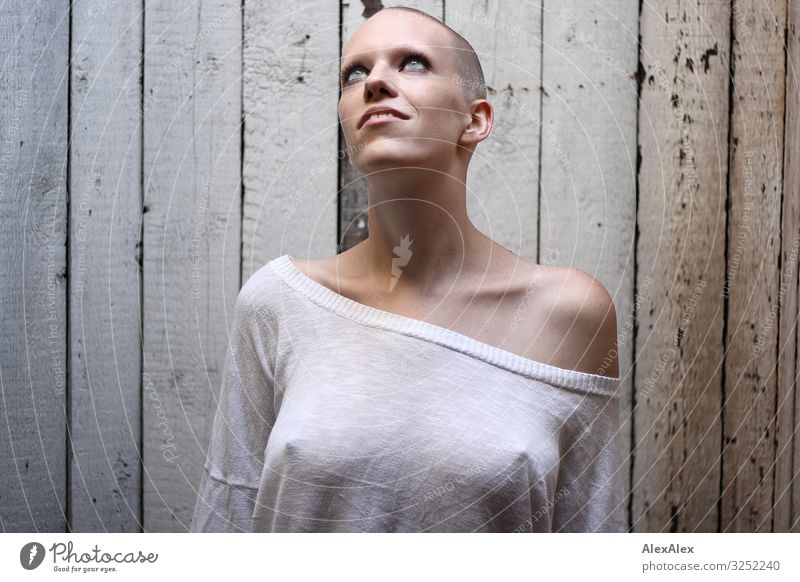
(31, 555)
(403, 255)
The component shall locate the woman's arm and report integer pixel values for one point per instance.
(590, 492)
(242, 424)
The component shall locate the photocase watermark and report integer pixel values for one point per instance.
(441, 490)
(168, 71)
(527, 110)
(607, 58)
(402, 254)
(472, 82)
(543, 511)
(549, 256)
(627, 328)
(510, 30)
(99, 9)
(688, 315)
(65, 553)
(668, 355)
(742, 29)
(199, 228)
(530, 289)
(307, 183)
(55, 335)
(78, 269)
(786, 280)
(33, 554)
(744, 227)
(450, 486)
(530, 112)
(168, 448)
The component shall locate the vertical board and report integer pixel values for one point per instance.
(192, 206)
(353, 188)
(588, 167)
(105, 223)
(683, 136)
(753, 276)
(290, 125)
(787, 469)
(34, 52)
(502, 191)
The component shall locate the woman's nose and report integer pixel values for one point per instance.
(379, 80)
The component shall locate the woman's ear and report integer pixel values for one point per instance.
(479, 124)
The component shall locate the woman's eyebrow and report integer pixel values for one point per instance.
(393, 51)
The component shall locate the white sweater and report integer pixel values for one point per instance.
(337, 416)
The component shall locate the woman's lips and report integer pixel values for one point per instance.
(381, 119)
(378, 110)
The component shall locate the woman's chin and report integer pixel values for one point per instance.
(389, 158)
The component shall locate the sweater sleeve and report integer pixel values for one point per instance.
(242, 423)
(590, 492)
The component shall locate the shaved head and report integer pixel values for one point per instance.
(469, 68)
(413, 63)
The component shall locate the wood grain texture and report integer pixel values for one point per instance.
(34, 52)
(290, 129)
(353, 220)
(192, 139)
(502, 184)
(588, 160)
(154, 155)
(683, 136)
(105, 224)
(753, 277)
(787, 465)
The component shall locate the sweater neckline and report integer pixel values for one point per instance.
(374, 317)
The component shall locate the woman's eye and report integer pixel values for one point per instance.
(350, 74)
(417, 59)
(411, 59)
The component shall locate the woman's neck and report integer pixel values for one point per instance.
(419, 229)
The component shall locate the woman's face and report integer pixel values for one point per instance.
(380, 70)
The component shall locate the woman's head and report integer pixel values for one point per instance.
(406, 60)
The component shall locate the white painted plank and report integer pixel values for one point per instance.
(502, 184)
(192, 141)
(290, 132)
(105, 224)
(588, 170)
(34, 53)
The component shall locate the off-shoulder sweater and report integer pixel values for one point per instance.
(334, 416)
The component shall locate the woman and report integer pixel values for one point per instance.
(426, 379)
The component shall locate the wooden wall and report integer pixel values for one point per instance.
(152, 157)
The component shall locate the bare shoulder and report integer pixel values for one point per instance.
(582, 314)
(330, 272)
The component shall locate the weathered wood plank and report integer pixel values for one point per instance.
(290, 125)
(683, 130)
(588, 161)
(753, 278)
(105, 224)
(192, 140)
(502, 191)
(34, 49)
(353, 198)
(787, 472)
